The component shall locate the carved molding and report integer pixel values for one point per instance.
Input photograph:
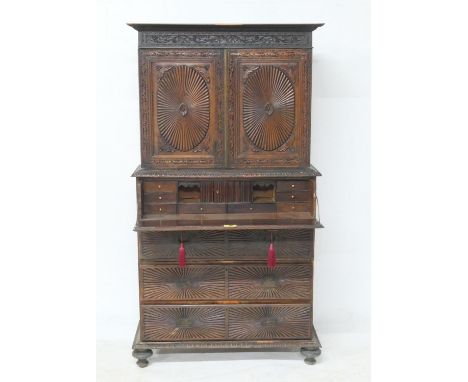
(226, 39)
(295, 173)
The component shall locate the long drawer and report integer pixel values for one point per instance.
(231, 245)
(230, 282)
(221, 322)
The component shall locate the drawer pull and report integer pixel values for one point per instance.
(160, 210)
(160, 197)
(292, 185)
(159, 186)
(292, 196)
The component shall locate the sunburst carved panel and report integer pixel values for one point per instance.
(189, 283)
(288, 243)
(232, 244)
(166, 323)
(294, 243)
(165, 245)
(268, 107)
(270, 322)
(183, 103)
(261, 282)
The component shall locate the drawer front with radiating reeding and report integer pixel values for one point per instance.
(229, 282)
(226, 322)
(226, 245)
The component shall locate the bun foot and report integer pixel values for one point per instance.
(142, 356)
(310, 355)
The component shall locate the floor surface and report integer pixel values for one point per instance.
(345, 357)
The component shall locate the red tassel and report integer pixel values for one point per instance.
(271, 256)
(181, 255)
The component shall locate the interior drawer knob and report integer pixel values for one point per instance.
(292, 196)
(160, 197)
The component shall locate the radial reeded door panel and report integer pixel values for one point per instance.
(181, 113)
(269, 105)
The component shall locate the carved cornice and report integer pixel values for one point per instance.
(224, 173)
(153, 39)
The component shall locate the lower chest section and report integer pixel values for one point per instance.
(226, 291)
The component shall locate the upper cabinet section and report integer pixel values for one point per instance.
(269, 107)
(181, 94)
(225, 96)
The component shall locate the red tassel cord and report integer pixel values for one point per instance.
(271, 256)
(181, 255)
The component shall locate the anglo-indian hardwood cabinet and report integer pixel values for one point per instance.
(226, 212)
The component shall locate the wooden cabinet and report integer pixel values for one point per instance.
(226, 194)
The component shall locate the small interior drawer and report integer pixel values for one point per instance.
(294, 207)
(251, 207)
(159, 186)
(293, 196)
(158, 209)
(202, 208)
(160, 197)
(292, 185)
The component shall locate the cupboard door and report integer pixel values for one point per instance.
(269, 107)
(181, 105)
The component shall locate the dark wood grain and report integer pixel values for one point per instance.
(267, 124)
(181, 96)
(227, 245)
(225, 177)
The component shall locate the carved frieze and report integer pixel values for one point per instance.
(226, 39)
